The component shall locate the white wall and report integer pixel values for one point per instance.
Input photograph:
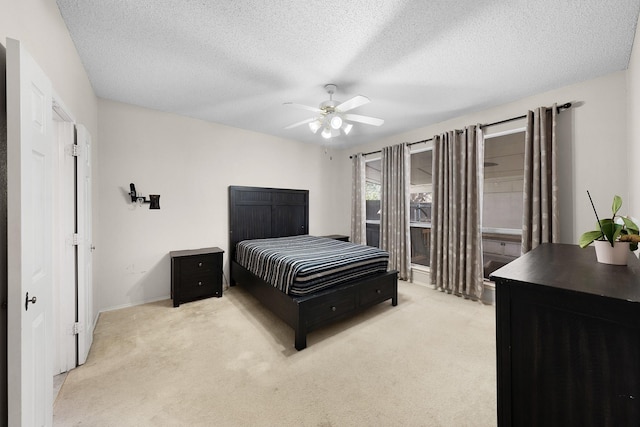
(592, 140)
(40, 28)
(190, 163)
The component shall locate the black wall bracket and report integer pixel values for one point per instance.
(154, 199)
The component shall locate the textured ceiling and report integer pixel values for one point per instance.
(420, 62)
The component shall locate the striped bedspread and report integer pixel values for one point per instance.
(300, 265)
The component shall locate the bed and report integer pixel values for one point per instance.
(271, 213)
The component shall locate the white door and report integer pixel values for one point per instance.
(85, 244)
(29, 240)
(64, 257)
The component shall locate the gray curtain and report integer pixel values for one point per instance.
(456, 234)
(540, 195)
(358, 204)
(394, 208)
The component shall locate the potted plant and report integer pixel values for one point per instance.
(614, 237)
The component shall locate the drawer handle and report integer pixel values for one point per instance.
(378, 291)
(199, 264)
(199, 283)
(333, 308)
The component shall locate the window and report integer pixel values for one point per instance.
(420, 206)
(373, 187)
(502, 206)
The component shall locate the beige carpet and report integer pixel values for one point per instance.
(430, 361)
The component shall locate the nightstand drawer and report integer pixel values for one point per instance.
(195, 287)
(198, 265)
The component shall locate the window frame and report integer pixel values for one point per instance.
(370, 160)
(485, 137)
(421, 224)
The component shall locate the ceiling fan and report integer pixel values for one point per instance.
(332, 117)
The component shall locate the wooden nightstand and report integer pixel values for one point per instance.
(340, 237)
(196, 274)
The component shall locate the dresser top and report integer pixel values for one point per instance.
(191, 252)
(572, 268)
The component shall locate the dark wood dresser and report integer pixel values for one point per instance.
(568, 339)
(196, 274)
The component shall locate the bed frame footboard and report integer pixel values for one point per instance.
(307, 313)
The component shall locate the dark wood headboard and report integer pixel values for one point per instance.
(261, 213)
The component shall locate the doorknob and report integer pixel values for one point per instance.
(27, 301)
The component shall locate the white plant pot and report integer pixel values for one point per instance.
(616, 255)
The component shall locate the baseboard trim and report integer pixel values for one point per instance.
(132, 304)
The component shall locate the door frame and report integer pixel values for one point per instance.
(85, 247)
(3, 233)
(64, 288)
(73, 301)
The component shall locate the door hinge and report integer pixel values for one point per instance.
(75, 239)
(72, 150)
(77, 328)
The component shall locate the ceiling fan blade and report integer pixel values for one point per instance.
(304, 107)
(352, 103)
(301, 123)
(363, 119)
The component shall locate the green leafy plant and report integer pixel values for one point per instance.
(617, 228)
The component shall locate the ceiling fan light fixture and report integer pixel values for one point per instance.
(315, 126)
(336, 121)
(332, 118)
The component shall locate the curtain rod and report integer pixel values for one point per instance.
(559, 108)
